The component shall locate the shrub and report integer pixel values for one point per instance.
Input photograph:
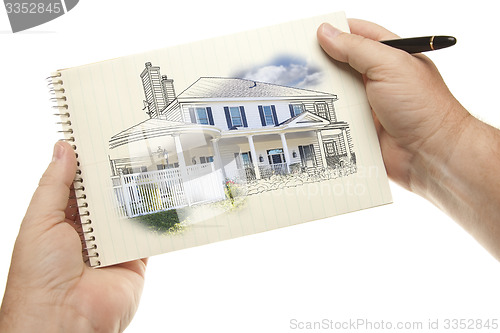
(166, 221)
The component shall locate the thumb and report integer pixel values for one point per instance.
(363, 54)
(48, 204)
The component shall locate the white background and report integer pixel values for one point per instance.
(401, 262)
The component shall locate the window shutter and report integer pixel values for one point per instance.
(243, 116)
(275, 116)
(228, 118)
(262, 118)
(192, 115)
(210, 115)
(291, 110)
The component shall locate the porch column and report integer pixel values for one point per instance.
(321, 149)
(218, 159)
(285, 151)
(346, 142)
(255, 159)
(182, 168)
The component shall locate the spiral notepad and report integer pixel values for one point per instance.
(59, 100)
(216, 139)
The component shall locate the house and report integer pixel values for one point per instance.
(227, 128)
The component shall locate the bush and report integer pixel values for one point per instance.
(166, 221)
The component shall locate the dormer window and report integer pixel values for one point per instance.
(296, 109)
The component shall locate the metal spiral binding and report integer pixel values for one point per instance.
(84, 224)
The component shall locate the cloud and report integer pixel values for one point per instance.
(285, 71)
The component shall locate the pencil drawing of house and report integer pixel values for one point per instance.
(221, 129)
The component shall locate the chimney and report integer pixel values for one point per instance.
(153, 90)
(168, 89)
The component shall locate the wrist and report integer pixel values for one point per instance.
(20, 316)
(433, 162)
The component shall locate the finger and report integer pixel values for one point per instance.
(363, 54)
(71, 211)
(138, 266)
(370, 30)
(50, 199)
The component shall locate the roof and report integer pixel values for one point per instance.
(218, 87)
(157, 127)
(305, 117)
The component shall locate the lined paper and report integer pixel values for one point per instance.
(106, 98)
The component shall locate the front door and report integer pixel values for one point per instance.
(276, 156)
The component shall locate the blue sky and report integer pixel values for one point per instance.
(287, 71)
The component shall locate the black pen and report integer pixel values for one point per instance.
(421, 44)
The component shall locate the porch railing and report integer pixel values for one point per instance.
(154, 191)
(267, 171)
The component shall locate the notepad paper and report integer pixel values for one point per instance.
(218, 139)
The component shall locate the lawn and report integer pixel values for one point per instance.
(162, 222)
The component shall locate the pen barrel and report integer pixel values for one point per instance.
(421, 44)
(411, 45)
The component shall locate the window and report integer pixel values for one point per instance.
(331, 148)
(296, 109)
(322, 110)
(243, 160)
(268, 115)
(235, 116)
(206, 159)
(202, 116)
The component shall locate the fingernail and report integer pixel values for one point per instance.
(58, 152)
(329, 31)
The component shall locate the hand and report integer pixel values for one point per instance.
(49, 288)
(412, 107)
(430, 144)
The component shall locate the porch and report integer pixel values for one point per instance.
(247, 157)
(159, 165)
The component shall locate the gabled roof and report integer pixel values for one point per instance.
(306, 118)
(218, 87)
